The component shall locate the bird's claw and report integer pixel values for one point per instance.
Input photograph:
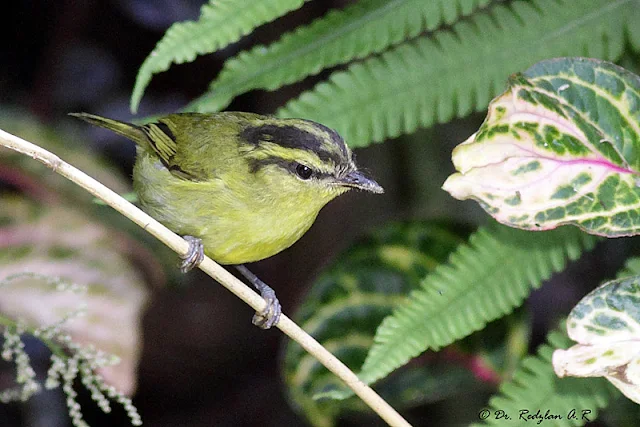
(194, 256)
(270, 315)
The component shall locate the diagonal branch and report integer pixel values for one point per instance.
(222, 276)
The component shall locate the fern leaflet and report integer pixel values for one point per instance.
(483, 281)
(457, 71)
(368, 26)
(221, 23)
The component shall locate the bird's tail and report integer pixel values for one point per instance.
(127, 130)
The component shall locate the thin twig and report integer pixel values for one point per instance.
(176, 243)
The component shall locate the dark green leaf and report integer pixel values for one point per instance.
(365, 27)
(454, 72)
(482, 281)
(221, 23)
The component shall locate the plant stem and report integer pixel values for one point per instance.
(222, 276)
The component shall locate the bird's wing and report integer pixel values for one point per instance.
(172, 140)
(161, 140)
(197, 147)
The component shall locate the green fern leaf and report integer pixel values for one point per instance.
(535, 388)
(482, 282)
(368, 26)
(221, 23)
(347, 303)
(457, 71)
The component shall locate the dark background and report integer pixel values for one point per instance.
(203, 362)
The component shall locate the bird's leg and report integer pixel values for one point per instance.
(194, 257)
(268, 317)
(264, 319)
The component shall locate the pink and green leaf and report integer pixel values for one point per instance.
(560, 146)
(606, 326)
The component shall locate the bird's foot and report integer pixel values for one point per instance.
(194, 256)
(270, 315)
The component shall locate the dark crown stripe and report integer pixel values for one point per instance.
(294, 137)
(335, 137)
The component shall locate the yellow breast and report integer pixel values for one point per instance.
(235, 229)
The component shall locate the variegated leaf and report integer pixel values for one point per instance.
(606, 326)
(41, 248)
(560, 146)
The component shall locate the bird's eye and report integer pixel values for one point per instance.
(303, 171)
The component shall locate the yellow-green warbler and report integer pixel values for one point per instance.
(239, 187)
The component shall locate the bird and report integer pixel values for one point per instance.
(237, 186)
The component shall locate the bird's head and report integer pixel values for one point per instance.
(302, 160)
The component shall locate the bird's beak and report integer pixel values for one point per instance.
(356, 179)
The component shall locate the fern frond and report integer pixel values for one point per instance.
(221, 23)
(483, 281)
(368, 26)
(457, 71)
(535, 387)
